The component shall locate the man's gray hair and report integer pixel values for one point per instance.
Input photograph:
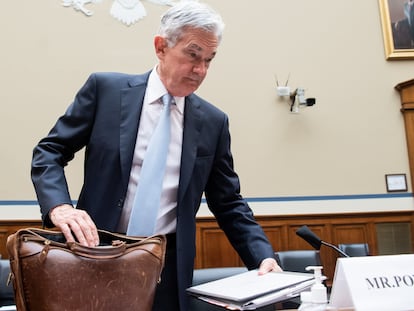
(189, 14)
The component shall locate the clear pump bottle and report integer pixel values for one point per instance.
(317, 298)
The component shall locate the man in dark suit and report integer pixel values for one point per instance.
(113, 116)
(403, 30)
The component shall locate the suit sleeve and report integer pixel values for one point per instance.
(231, 210)
(52, 153)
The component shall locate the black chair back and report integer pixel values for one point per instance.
(6, 290)
(355, 249)
(298, 260)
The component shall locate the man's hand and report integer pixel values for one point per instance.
(69, 219)
(267, 265)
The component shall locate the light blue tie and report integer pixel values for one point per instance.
(147, 197)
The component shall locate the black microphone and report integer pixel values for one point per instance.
(305, 233)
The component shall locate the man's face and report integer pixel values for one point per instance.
(183, 67)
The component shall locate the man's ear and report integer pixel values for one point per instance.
(160, 43)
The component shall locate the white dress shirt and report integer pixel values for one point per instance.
(151, 110)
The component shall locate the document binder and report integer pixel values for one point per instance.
(249, 291)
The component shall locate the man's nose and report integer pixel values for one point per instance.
(200, 68)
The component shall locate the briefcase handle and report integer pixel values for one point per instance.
(117, 249)
(112, 245)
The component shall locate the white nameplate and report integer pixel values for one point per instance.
(374, 283)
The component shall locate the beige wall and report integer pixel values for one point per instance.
(344, 145)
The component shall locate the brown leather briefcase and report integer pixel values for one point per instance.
(50, 274)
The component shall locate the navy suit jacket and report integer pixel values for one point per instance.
(104, 119)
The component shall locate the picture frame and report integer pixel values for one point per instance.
(396, 182)
(398, 39)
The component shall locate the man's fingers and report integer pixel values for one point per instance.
(268, 265)
(92, 233)
(75, 223)
(67, 233)
(88, 229)
(76, 228)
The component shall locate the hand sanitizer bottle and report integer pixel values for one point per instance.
(317, 298)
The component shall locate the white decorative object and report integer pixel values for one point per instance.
(79, 5)
(163, 2)
(128, 11)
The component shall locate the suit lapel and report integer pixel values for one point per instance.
(131, 105)
(192, 129)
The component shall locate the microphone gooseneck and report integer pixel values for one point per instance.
(335, 248)
(309, 236)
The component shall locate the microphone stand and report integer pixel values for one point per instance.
(335, 248)
(305, 233)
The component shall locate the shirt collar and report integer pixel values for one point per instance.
(156, 90)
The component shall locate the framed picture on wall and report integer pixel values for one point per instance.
(397, 19)
(396, 182)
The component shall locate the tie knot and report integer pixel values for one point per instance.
(166, 99)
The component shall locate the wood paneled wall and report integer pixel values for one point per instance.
(214, 250)
(8, 227)
(406, 90)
